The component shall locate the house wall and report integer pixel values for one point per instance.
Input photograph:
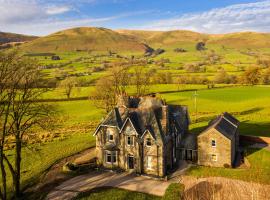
(101, 140)
(155, 153)
(126, 150)
(222, 150)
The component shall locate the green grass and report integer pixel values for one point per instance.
(259, 171)
(38, 158)
(174, 191)
(248, 104)
(107, 193)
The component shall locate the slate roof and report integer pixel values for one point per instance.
(225, 124)
(146, 114)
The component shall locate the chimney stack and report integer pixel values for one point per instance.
(165, 119)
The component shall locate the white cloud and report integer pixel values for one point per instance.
(17, 11)
(239, 17)
(55, 10)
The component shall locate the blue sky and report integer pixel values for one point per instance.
(42, 17)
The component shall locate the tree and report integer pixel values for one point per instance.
(141, 80)
(200, 46)
(110, 87)
(251, 76)
(22, 111)
(266, 76)
(222, 77)
(68, 85)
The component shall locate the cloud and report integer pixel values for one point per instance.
(55, 10)
(234, 18)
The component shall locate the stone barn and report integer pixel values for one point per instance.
(218, 144)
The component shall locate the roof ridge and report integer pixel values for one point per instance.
(229, 121)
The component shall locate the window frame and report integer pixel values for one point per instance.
(109, 136)
(131, 140)
(148, 140)
(149, 167)
(112, 155)
(215, 142)
(212, 156)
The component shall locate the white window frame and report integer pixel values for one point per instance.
(108, 154)
(149, 162)
(111, 154)
(214, 160)
(131, 140)
(147, 141)
(212, 143)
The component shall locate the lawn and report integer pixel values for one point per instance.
(248, 104)
(107, 193)
(259, 171)
(39, 157)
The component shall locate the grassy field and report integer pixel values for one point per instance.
(39, 157)
(107, 193)
(259, 171)
(246, 103)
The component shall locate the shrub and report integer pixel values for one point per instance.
(174, 191)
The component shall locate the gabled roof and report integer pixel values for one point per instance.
(145, 114)
(225, 124)
(113, 119)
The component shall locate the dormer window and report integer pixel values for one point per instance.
(213, 143)
(110, 136)
(130, 141)
(148, 142)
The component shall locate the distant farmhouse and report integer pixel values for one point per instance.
(147, 136)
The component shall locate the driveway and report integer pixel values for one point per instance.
(72, 187)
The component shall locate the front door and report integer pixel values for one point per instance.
(130, 162)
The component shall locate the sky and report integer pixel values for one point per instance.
(43, 17)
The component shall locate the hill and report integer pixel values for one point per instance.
(86, 39)
(242, 40)
(12, 37)
(181, 37)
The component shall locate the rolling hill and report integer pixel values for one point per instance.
(181, 37)
(102, 39)
(12, 37)
(86, 39)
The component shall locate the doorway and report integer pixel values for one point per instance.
(131, 162)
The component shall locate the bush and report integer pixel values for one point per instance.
(174, 191)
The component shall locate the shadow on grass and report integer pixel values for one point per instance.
(202, 190)
(258, 129)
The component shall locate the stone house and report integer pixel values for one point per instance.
(218, 144)
(142, 135)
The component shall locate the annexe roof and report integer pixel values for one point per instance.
(225, 124)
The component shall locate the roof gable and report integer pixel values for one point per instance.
(225, 124)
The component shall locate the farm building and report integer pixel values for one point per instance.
(147, 136)
(218, 144)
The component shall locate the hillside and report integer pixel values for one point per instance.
(12, 37)
(85, 39)
(242, 40)
(181, 37)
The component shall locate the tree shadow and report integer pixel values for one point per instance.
(204, 190)
(248, 112)
(252, 129)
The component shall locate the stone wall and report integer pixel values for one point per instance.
(222, 149)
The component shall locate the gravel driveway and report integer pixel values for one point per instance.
(72, 187)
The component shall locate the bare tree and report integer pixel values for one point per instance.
(6, 61)
(22, 111)
(68, 85)
(141, 80)
(109, 87)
